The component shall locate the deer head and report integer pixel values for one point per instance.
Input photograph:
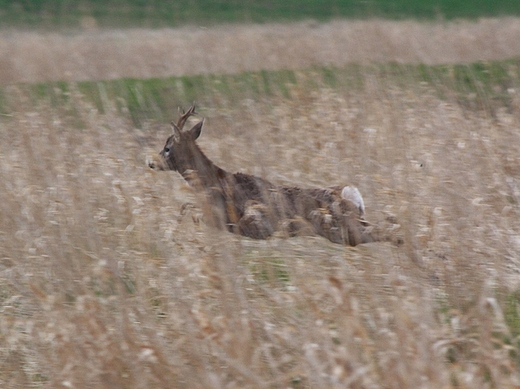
(180, 153)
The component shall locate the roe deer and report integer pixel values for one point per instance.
(254, 207)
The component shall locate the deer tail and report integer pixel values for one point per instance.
(351, 193)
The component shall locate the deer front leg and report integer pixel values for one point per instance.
(255, 222)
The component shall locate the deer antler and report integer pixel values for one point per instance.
(183, 117)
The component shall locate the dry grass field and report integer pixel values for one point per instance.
(107, 281)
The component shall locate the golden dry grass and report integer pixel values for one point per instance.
(104, 284)
(111, 54)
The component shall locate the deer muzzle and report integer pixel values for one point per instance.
(157, 163)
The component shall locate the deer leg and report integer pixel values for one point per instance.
(255, 222)
(340, 224)
(355, 232)
(326, 225)
(296, 227)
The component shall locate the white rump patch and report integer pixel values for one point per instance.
(351, 193)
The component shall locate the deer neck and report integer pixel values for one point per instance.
(200, 172)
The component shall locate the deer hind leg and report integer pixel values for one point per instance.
(255, 222)
(341, 223)
(357, 231)
(326, 224)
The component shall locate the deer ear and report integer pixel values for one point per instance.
(196, 130)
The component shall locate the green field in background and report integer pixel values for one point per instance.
(478, 86)
(161, 13)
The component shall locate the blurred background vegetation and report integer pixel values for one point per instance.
(159, 13)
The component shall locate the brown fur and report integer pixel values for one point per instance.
(254, 207)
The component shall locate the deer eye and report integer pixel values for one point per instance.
(166, 150)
